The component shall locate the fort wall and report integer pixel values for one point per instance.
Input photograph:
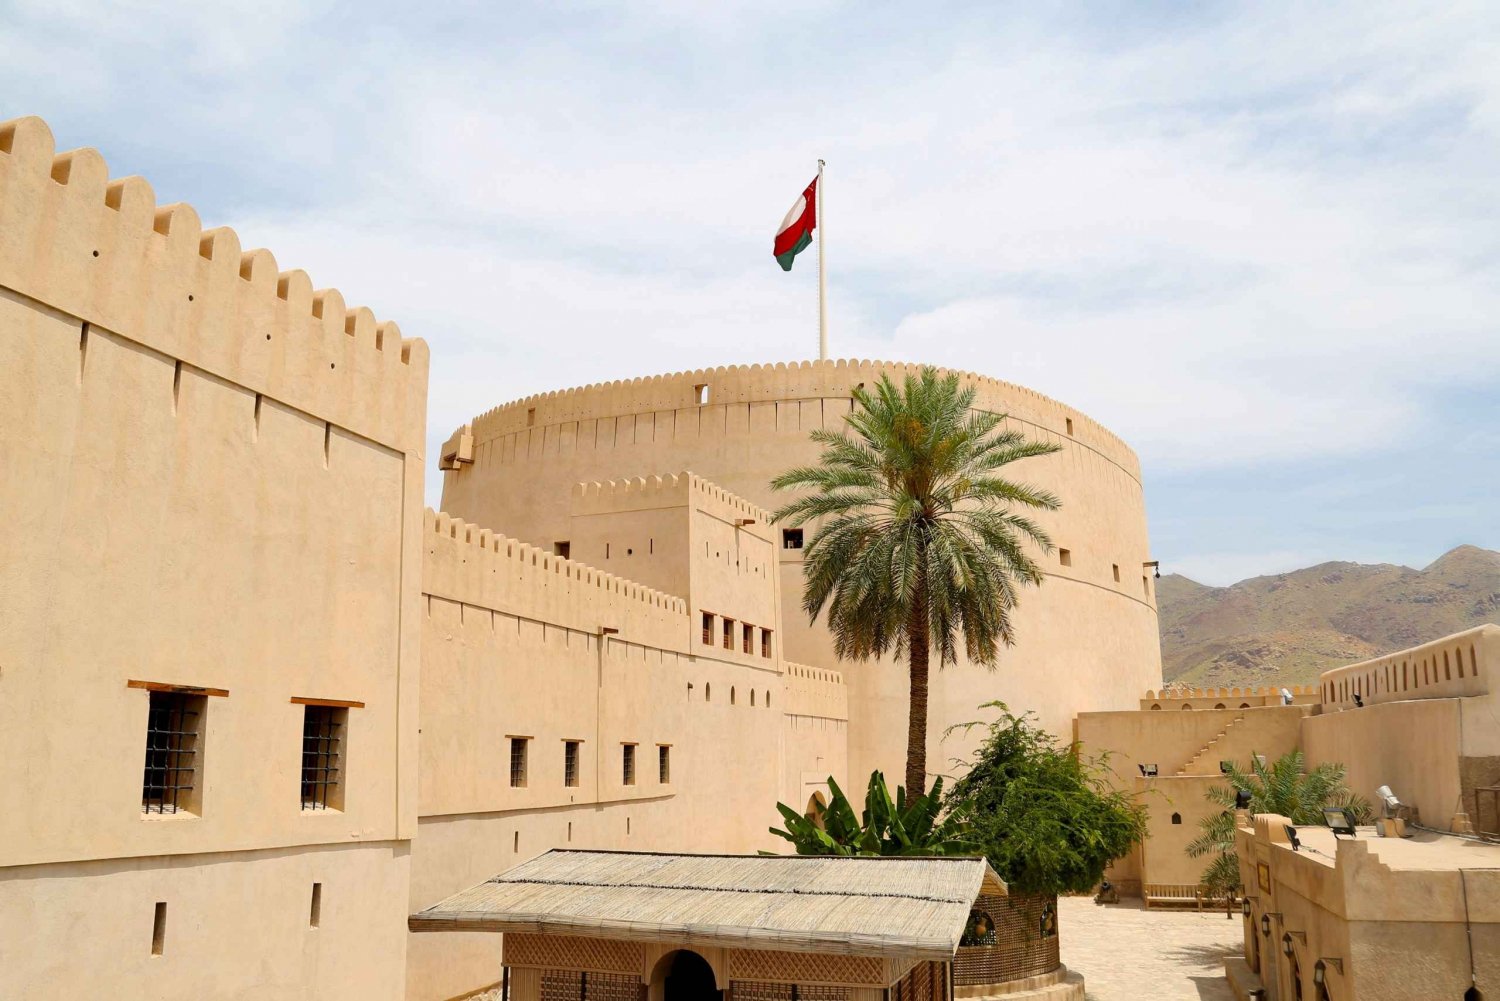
(523, 646)
(1088, 637)
(212, 493)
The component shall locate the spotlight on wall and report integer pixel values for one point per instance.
(1359, 703)
(1320, 971)
(1392, 804)
(1286, 696)
(1147, 771)
(1291, 836)
(1340, 820)
(1242, 799)
(1154, 565)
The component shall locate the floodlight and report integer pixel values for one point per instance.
(1340, 820)
(1291, 835)
(1286, 696)
(1389, 798)
(1148, 771)
(1242, 799)
(1224, 767)
(1359, 703)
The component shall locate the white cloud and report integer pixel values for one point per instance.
(1267, 234)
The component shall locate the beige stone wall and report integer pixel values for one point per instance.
(1456, 666)
(238, 924)
(1087, 640)
(512, 648)
(1186, 747)
(212, 478)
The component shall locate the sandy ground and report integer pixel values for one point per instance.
(1127, 953)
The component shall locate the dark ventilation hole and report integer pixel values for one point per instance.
(331, 365)
(1472, 994)
(96, 253)
(190, 297)
(1176, 818)
(268, 337)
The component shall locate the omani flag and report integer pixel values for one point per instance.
(797, 228)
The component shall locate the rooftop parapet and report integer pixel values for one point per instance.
(1183, 694)
(673, 490)
(102, 251)
(743, 384)
(1456, 666)
(495, 552)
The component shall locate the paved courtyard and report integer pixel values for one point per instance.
(1127, 953)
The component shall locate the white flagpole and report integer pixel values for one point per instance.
(822, 273)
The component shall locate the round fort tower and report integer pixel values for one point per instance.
(1086, 639)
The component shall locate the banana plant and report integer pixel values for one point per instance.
(901, 827)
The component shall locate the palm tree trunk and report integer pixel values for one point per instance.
(917, 638)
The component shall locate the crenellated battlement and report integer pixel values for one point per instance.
(673, 489)
(104, 252)
(815, 691)
(495, 548)
(781, 381)
(1184, 694)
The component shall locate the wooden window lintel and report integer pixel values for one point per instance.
(158, 686)
(331, 703)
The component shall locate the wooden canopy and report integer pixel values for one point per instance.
(891, 906)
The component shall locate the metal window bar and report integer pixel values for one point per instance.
(518, 762)
(664, 765)
(171, 753)
(570, 763)
(708, 629)
(321, 742)
(628, 760)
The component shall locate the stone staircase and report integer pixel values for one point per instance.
(1206, 755)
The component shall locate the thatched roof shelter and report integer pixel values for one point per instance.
(893, 906)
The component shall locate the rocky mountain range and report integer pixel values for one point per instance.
(1286, 628)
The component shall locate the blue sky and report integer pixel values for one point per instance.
(1260, 242)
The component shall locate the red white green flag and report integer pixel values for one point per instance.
(797, 228)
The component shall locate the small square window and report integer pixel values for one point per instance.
(570, 762)
(518, 761)
(791, 538)
(563, 549)
(174, 753)
(627, 761)
(1065, 557)
(700, 394)
(322, 757)
(663, 764)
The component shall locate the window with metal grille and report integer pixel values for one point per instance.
(728, 634)
(570, 762)
(791, 538)
(322, 757)
(747, 641)
(765, 643)
(174, 753)
(663, 764)
(628, 763)
(708, 628)
(518, 761)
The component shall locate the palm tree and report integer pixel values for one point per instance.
(1281, 787)
(919, 542)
